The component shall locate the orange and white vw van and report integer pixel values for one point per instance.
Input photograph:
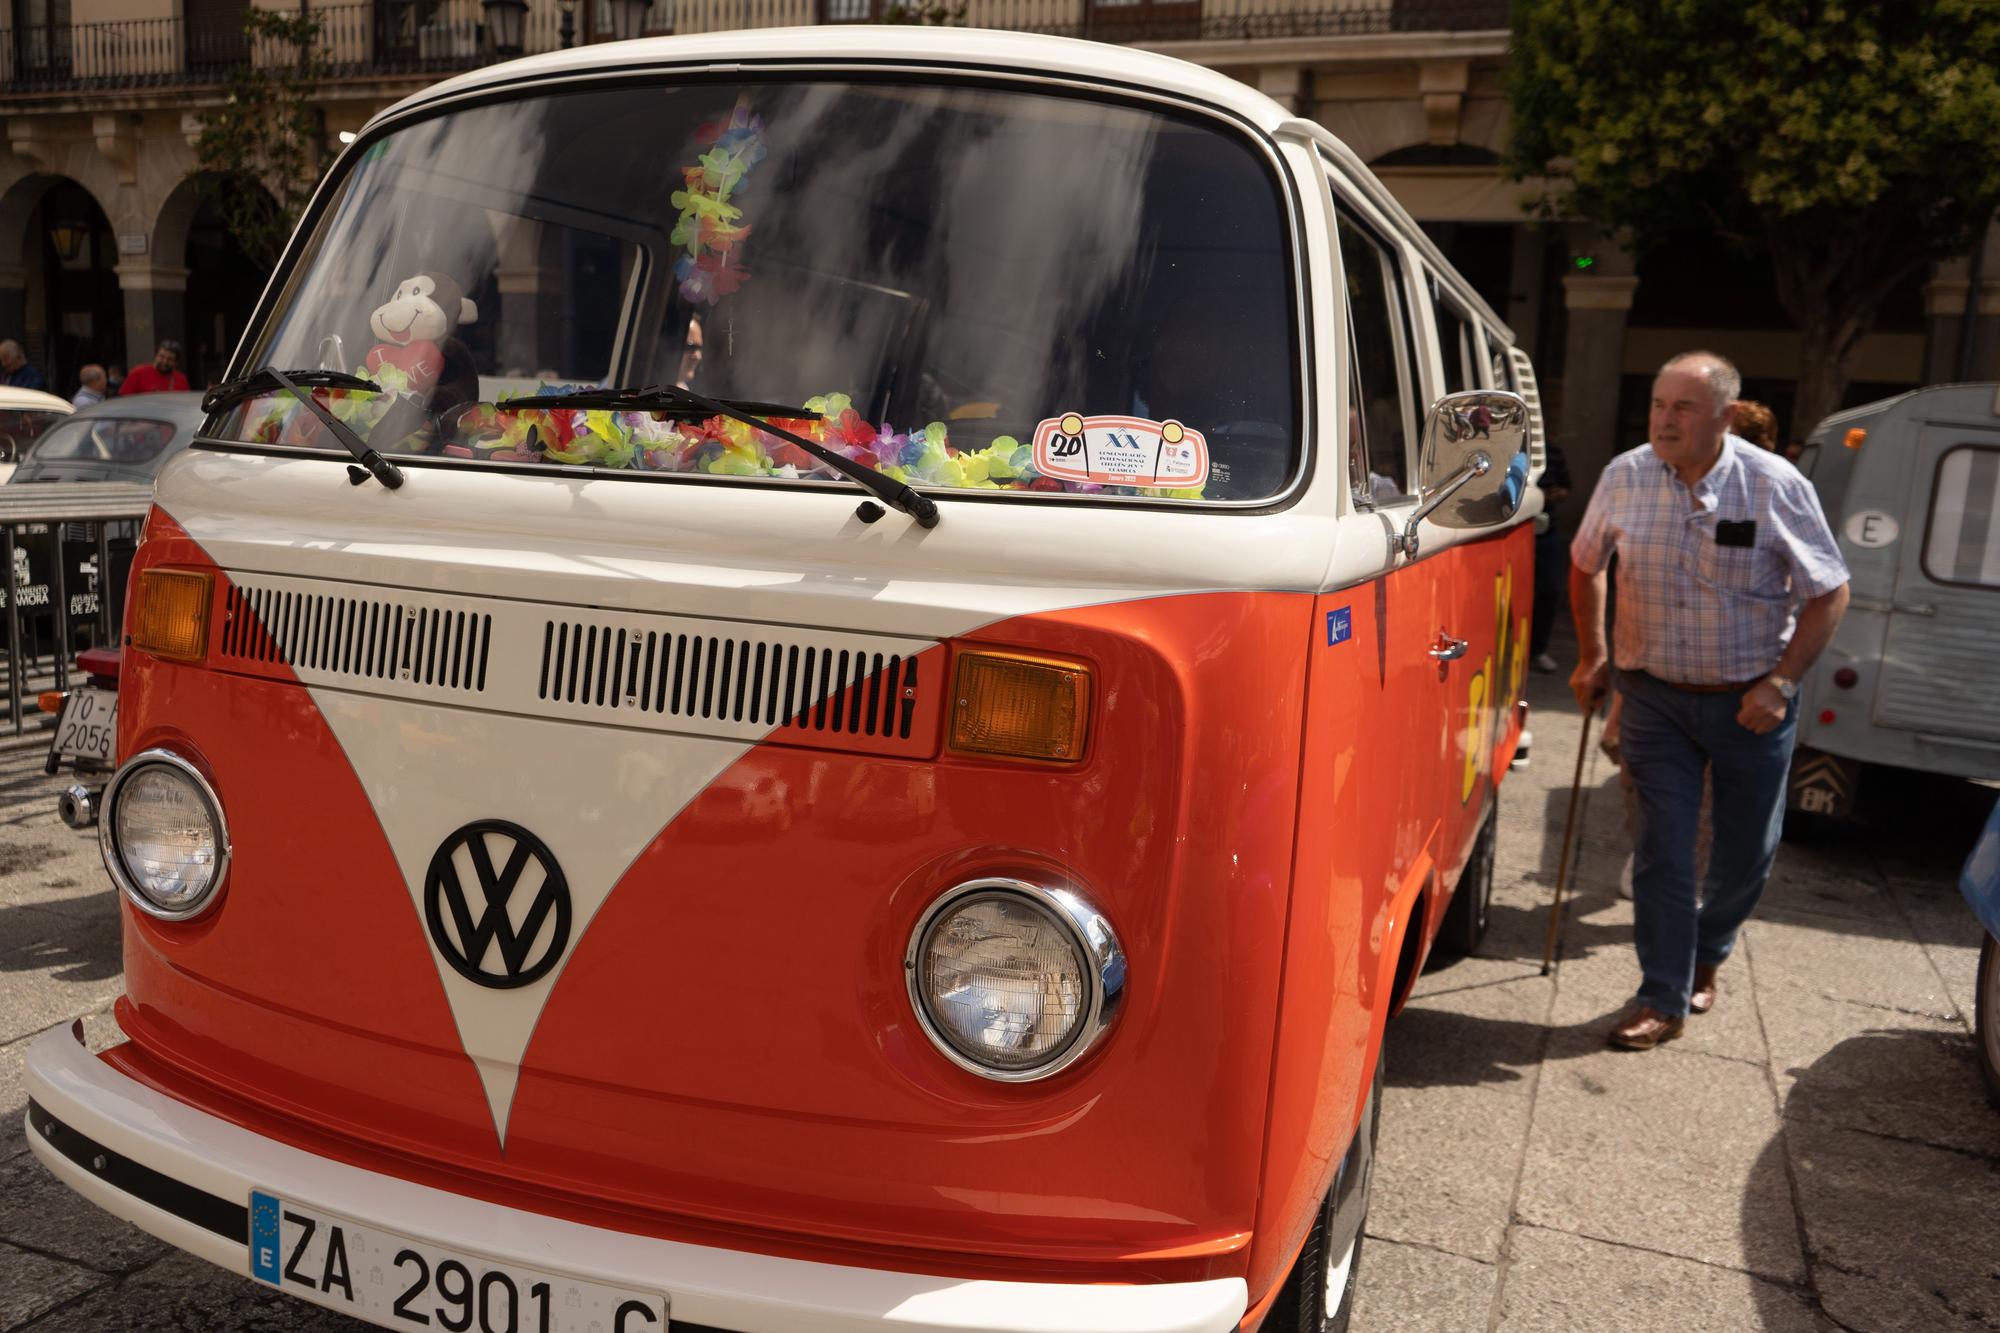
(821, 680)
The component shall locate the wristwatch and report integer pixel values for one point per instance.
(1784, 685)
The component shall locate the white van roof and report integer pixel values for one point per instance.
(1024, 53)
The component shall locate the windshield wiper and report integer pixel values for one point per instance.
(671, 400)
(272, 380)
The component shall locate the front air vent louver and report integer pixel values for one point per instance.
(358, 637)
(804, 687)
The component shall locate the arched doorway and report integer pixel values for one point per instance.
(223, 287)
(223, 279)
(72, 310)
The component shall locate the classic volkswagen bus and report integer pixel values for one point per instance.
(815, 680)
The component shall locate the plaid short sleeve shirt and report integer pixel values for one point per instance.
(1710, 578)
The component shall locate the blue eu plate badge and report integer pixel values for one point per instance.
(1339, 626)
(264, 1211)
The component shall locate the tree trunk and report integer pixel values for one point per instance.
(1823, 374)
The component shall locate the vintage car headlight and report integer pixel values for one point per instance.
(1012, 980)
(163, 835)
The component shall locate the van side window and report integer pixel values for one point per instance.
(1454, 343)
(1379, 337)
(1962, 535)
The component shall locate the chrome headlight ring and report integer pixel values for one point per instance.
(1101, 959)
(114, 859)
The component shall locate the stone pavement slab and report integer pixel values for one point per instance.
(31, 1284)
(1410, 1289)
(1900, 1075)
(1558, 1283)
(1446, 1178)
(1903, 1234)
(180, 1293)
(1878, 964)
(1666, 1151)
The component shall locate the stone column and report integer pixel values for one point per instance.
(1597, 299)
(155, 306)
(1285, 85)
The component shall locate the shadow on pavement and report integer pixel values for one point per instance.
(35, 940)
(1894, 1152)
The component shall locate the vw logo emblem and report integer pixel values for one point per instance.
(510, 924)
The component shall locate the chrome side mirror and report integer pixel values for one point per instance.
(1473, 472)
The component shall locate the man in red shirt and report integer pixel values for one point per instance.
(159, 377)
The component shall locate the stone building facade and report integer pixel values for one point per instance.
(106, 244)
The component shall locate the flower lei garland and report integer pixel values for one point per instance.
(710, 227)
(513, 431)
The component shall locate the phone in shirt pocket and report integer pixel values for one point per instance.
(1729, 557)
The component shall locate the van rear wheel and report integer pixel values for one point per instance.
(1318, 1294)
(1471, 906)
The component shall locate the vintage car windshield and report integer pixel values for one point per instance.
(976, 288)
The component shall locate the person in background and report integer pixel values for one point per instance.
(162, 376)
(1752, 421)
(94, 386)
(1551, 559)
(114, 381)
(1730, 585)
(15, 370)
(690, 354)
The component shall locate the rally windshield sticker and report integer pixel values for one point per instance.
(1120, 451)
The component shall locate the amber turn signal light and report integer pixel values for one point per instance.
(171, 617)
(1854, 437)
(49, 701)
(1019, 706)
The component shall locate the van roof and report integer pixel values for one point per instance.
(1025, 53)
(1984, 392)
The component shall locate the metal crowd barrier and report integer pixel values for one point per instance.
(54, 520)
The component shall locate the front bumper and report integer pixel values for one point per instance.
(186, 1177)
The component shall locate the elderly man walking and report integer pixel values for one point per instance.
(1729, 586)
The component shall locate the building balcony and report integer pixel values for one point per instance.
(419, 38)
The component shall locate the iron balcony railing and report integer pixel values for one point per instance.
(399, 37)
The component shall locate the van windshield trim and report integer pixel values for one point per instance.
(1228, 121)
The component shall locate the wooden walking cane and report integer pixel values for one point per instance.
(1569, 827)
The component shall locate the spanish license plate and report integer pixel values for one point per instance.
(87, 727)
(399, 1282)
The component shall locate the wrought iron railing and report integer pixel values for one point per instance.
(394, 37)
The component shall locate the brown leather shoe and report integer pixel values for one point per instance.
(1644, 1028)
(1702, 998)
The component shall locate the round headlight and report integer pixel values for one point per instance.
(163, 837)
(1012, 980)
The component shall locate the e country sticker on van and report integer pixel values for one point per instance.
(1121, 451)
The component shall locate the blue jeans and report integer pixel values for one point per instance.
(1668, 737)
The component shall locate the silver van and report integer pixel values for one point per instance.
(1911, 487)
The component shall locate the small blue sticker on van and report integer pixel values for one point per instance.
(1339, 626)
(264, 1237)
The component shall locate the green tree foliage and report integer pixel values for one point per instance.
(261, 152)
(1858, 142)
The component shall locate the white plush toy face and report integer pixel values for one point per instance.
(411, 315)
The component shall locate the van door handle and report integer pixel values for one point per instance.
(1448, 649)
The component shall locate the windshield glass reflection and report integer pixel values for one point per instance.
(973, 288)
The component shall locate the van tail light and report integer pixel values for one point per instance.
(1847, 678)
(49, 701)
(1827, 717)
(170, 617)
(1019, 706)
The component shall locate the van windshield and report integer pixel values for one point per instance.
(970, 288)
